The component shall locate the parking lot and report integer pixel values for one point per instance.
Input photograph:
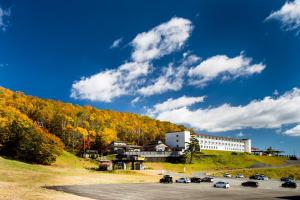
(267, 190)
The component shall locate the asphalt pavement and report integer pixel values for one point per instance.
(153, 191)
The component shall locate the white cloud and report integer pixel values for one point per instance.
(170, 80)
(293, 131)
(110, 84)
(103, 86)
(224, 67)
(4, 13)
(173, 104)
(275, 93)
(161, 40)
(127, 78)
(266, 113)
(135, 100)
(132, 77)
(116, 43)
(240, 134)
(288, 15)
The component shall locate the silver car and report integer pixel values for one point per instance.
(222, 184)
(183, 180)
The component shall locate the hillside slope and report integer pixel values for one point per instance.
(220, 160)
(22, 181)
(74, 125)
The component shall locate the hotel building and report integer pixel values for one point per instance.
(179, 140)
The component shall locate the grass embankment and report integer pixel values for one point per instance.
(274, 173)
(219, 160)
(20, 180)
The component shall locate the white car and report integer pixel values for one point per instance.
(221, 184)
(183, 180)
(239, 176)
(226, 175)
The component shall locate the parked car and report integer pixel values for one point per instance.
(239, 176)
(250, 184)
(264, 178)
(285, 179)
(289, 184)
(226, 175)
(196, 180)
(183, 180)
(221, 184)
(166, 179)
(207, 179)
(259, 177)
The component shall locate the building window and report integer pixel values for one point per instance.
(177, 141)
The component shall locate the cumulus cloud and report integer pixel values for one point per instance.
(173, 104)
(135, 77)
(4, 13)
(288, 15)
(135, 100)
(110, 84)
(270, 112)
(161, 40)
(116, 43)
(293, 131)
(127, 78)
(170, 80)
(224, 67)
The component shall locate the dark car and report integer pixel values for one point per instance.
(250, 184)
(166, 179)
(289, 184)
(255, 177)
(285, 179)
(207, 179)
(195, 180)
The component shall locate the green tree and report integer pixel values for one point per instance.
(193, 148)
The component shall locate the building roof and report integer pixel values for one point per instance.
(178, 131)
(222, 137)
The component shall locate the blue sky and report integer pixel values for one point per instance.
(225, 68)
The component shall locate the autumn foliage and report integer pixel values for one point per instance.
(40, 128)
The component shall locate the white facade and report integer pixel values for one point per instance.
(178, 140)
(209, 142)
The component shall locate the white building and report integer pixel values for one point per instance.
(179, 140)
(210, 142)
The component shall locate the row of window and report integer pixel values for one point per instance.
(223, 143)
(217, 138)
(214, 147)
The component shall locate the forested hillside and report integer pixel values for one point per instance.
(37, 130)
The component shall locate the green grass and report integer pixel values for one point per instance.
(274, 173)
(20, 166)
(218, 160)
(69, 160)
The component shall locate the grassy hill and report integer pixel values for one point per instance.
(19, 180)
(220, 160)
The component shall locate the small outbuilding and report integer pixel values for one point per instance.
(156, 146)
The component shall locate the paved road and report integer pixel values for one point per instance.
(155, 191)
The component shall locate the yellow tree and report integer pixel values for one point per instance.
(107, 135)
